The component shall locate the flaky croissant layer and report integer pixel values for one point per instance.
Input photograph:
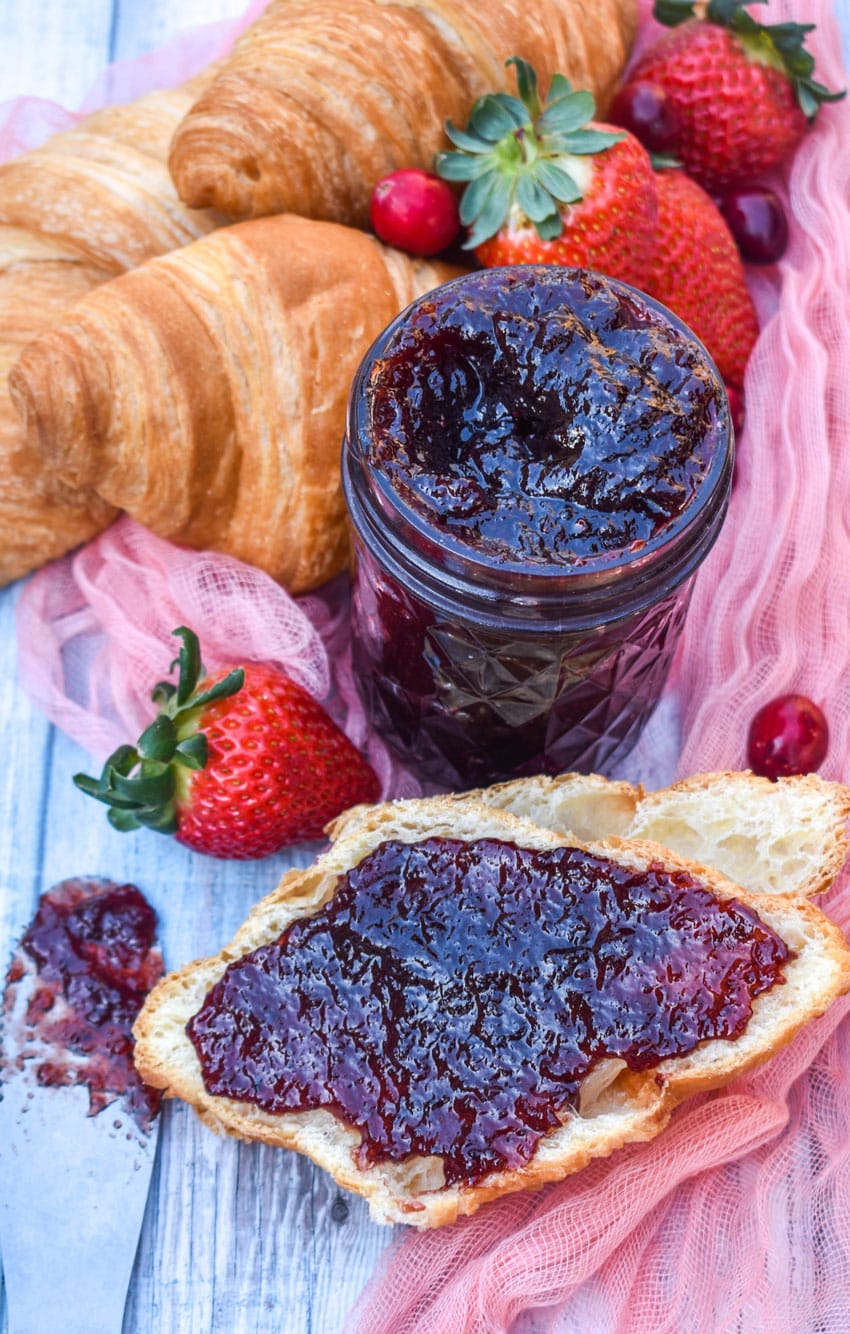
(205, 392)
(92, 201)
(320, 99)
(103, 186)
(39, 517)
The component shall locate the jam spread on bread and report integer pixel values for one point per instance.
(93, 946)
(451, 996)
(546, 417)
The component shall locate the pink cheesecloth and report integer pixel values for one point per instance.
(738, 1216)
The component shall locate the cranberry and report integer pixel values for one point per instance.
(789, 735)
(645, 109)
(415, 211)
(736, 407)
(756, 219)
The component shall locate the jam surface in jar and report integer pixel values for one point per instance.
(92, 949)
(537, 460)
(451, 996)
(542, 417)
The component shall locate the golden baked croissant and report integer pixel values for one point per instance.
(204, 392)
(93, 200)
(320, 98)
(39, 519)
(104, 186)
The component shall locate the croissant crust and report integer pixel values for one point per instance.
(205, 391)
(92, 201)
(318, 100)
(39, 517)
(104, 186)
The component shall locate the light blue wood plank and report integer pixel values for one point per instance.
(26, 742)
(145, 25)
(53, 49)
(238, 1239)
(26, 745)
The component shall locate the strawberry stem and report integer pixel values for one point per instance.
(514, 155)
(139, 783)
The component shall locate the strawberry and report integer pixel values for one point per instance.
(548, 186)
(742, 93)
(236, 765)
(697, 272)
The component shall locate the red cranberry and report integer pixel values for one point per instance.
(757, 221)
(415, 211)
(736, 407)
(645, 110)
(789, 735)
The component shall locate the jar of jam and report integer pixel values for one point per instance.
(537, 459)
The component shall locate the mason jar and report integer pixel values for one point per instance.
(536, 462)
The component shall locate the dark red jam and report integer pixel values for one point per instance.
(542, 419)
(451, 996)
(93, 946)
(466, 703)
(537, 460)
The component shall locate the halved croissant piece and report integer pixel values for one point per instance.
(320, 99)
(204, 392)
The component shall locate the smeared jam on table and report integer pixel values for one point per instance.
(451, 996)
(93, 946)
(543, 418)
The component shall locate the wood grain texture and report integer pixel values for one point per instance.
(146, 25)
(56, 50)
(53, 49)
(237, 1239)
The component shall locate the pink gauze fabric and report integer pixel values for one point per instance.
(738, 1216)
(95, 634)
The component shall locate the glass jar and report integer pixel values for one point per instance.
(536, 462)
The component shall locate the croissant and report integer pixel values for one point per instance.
(39, 519)
(204, 392)
(319, 99)
(104, 186)
(92, 201)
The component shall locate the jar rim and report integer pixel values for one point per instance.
(680, 543)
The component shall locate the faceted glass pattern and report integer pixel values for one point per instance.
(466, 705)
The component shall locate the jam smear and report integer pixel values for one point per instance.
(546, 418)
(93, 946)
(451, 996)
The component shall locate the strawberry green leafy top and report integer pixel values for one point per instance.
(518, 153)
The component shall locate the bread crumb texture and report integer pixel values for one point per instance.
(767, 845)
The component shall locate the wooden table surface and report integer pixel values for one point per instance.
(237, 1239)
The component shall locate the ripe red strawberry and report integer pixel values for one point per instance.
(697, 272)
(546, 185)
(741, 92)
(237, 765)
